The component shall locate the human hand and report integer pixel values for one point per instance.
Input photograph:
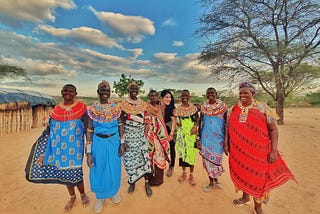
(122, 149)
(226, 148)
(198, 144)
(194, 130)
(272, 156)
(89, 160)
(40, 160)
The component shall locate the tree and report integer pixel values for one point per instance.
(269, 42)
(121, 87)
(11, 71)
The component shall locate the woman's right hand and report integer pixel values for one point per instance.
(226, 147)
(89, 160)
(40, 160)
(123, 149)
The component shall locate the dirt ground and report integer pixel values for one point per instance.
(299, 144)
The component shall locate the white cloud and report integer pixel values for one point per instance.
(32, 10)
(136, 52)
(134, 28)
(165, 57)
(169, 22)
(61, 63)
(87, 35)
(41, 68)
(177, 43)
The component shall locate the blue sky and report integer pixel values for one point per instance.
(84, 42)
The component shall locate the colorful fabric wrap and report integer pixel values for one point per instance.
(136, 158)
(62, 145)
(156, 132)
(249, 148)
(105, 174)
(185, 142)
(212, 136)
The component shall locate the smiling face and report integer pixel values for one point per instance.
(185, 97)
(166, 99)
(153, 97)
(133, 92)
(68, 93)
(104, 94)
(211, 95)
(245, 96)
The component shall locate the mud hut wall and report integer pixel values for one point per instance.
(40, 115)
(15, 120)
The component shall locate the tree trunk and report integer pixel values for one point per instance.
(280, 106)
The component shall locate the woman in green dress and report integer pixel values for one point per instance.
(187, 125)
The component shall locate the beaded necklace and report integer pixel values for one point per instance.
(186, 111)
(244, 112)
(133, 107)
(107, 112)
(213, 109)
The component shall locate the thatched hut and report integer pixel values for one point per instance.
(21, 110)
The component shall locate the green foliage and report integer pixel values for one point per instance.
(267, 42)
(121, 87)
(313, 98)
(11, 71)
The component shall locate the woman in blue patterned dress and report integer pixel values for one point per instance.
(57, 155)
(212, 132)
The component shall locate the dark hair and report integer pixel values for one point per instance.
(185, 90)
(70, 85)
(152, 91)
(170, 107)
(211, 88)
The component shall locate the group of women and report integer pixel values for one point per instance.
(148, 134)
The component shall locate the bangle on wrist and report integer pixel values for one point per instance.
(122, 141)
(88, 149)
(89, 130)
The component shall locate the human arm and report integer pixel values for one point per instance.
(173, 128)
(274, 135)
(226, 144)
(89, 136)
(196, 120)
(121, 122)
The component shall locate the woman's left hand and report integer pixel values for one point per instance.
(194, 130)
(272, 157)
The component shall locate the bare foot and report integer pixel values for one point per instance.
(192, 182)
(85, 200)
(241, 201)
(70, 204)
(182, 177)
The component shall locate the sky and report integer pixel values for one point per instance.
(83, 42)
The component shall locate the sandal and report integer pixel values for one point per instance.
(192, 182)
(182, 177)
(217, 184)
(207, 188)
(148, 189)
(70, 204)
(131, 188)
(240, 202)
(85, 199)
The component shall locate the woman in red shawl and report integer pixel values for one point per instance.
(255, 164)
